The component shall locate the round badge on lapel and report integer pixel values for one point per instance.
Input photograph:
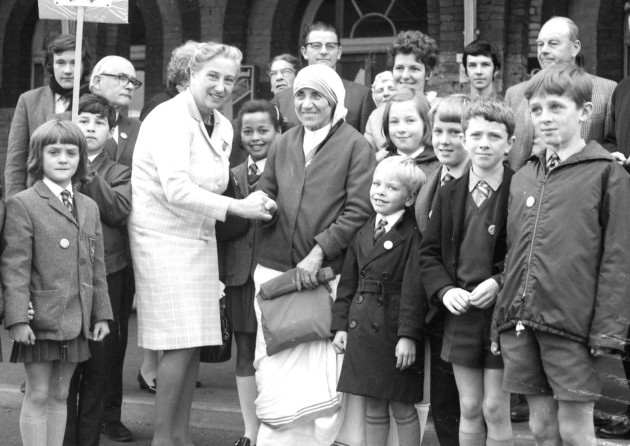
(388, 244)
(64, 243)
(530, 202)
(123, 135)
(491, 229)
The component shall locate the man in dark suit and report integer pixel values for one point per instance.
(114, 78)
(320, 44)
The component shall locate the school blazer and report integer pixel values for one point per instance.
(33, 108)
(358, 102)
(439, 250)
(55, 262)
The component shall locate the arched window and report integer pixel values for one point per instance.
(368, 29)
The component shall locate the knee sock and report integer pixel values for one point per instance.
(493, 442)
(476, 439)
(56, 424)
(377, 430)
(408, 430)
(247, 394)
(33, 430)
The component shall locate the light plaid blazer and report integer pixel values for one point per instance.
(593, 130)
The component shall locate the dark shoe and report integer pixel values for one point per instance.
(116, 431)
(243, 441)
(520, 412)
(619, 430)
(144, 385)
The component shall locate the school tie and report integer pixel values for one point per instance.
(447, 179)
(483, 192)
(380, 230)
(553, 161)
(65, 197)
(253, 175)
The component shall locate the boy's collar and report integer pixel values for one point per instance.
(392, 219)
(494, 180)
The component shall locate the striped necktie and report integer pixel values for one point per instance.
(253, 175)
(553, 161)
(447, 179)
(484, 191)
(380, 230)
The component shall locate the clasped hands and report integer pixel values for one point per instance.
(459, 301)
(256, 206)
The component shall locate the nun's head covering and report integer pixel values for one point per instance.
(325, 81)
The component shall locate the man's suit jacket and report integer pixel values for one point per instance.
(594, 129)
(33, 108)
(122, 152)
(439, 250)
(358, 102)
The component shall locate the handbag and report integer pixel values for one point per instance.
(294, 317)
(223, 352)
(233, 227)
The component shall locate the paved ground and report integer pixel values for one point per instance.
(216, 419)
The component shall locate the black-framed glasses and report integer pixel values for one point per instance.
(330, 46)
(285, 72)
(124, 80)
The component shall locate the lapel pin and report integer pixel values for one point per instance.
(530, 202)
(388, 244)
(123, 135)
(491, 229)
(64, 243)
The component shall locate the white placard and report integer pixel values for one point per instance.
(101, 11)
(87, 3)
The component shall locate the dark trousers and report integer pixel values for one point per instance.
(86, 397)
(444, 395)
(117, 346)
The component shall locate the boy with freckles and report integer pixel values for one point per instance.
(461, 261)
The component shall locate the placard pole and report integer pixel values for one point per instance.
(77, 63)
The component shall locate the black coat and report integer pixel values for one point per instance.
(375, 320)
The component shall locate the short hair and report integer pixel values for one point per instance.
(319, 26)
(562, 80)
(177, 70)
(262, 106)
(380, 77)
(67, 42)
(421, 105)
(289, 58)
(99, 68)
(450, 109)
(98, 105)
(207, 51)
(574, 30)
(481, 48)
(423, 47)
(405, 170)
(55, 131)
(491, 110)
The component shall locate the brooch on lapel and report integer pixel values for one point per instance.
(388, 244)
(530, 201)
(123, 135)
(491, 229)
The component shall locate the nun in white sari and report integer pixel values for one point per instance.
(319, 173)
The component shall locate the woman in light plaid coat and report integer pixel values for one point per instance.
(180, 168)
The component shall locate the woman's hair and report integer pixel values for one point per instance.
(67, 42)
(177, 70)
(289, 58)
(98, 105)
(421, 104)
(405, 170)
(420, 45)
(262, 106)
(55, 131)
(207, 51)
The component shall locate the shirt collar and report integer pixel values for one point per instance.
(56, 189)
(260, 163)
(414, 154)
(392, 219)
(494, 180)
(456, 172)
(565, 153)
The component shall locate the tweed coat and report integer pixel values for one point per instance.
(179, 172)
(594, 129)
(358, 101)
(33, 108)
(55, 262)
(375, 321)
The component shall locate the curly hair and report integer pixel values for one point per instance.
(423, 47)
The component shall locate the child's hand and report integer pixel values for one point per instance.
(22, 333)
(620, 157)
(494, 348)
(597, 352)
(101, 329)
(339, 342)
(405, 353)
(485, 294)
(30, 313)
(456, 300)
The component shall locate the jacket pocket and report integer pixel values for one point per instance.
(48, 307)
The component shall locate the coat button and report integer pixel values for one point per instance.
(353, 324)
(219, 184)
(206, 233)
(375, 328)
(360, 299)
(82, 262)
(217, 159)
(379, 301)
(385, 276)
(362, 273)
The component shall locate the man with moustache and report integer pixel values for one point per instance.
(321, 44)
(558, 42)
